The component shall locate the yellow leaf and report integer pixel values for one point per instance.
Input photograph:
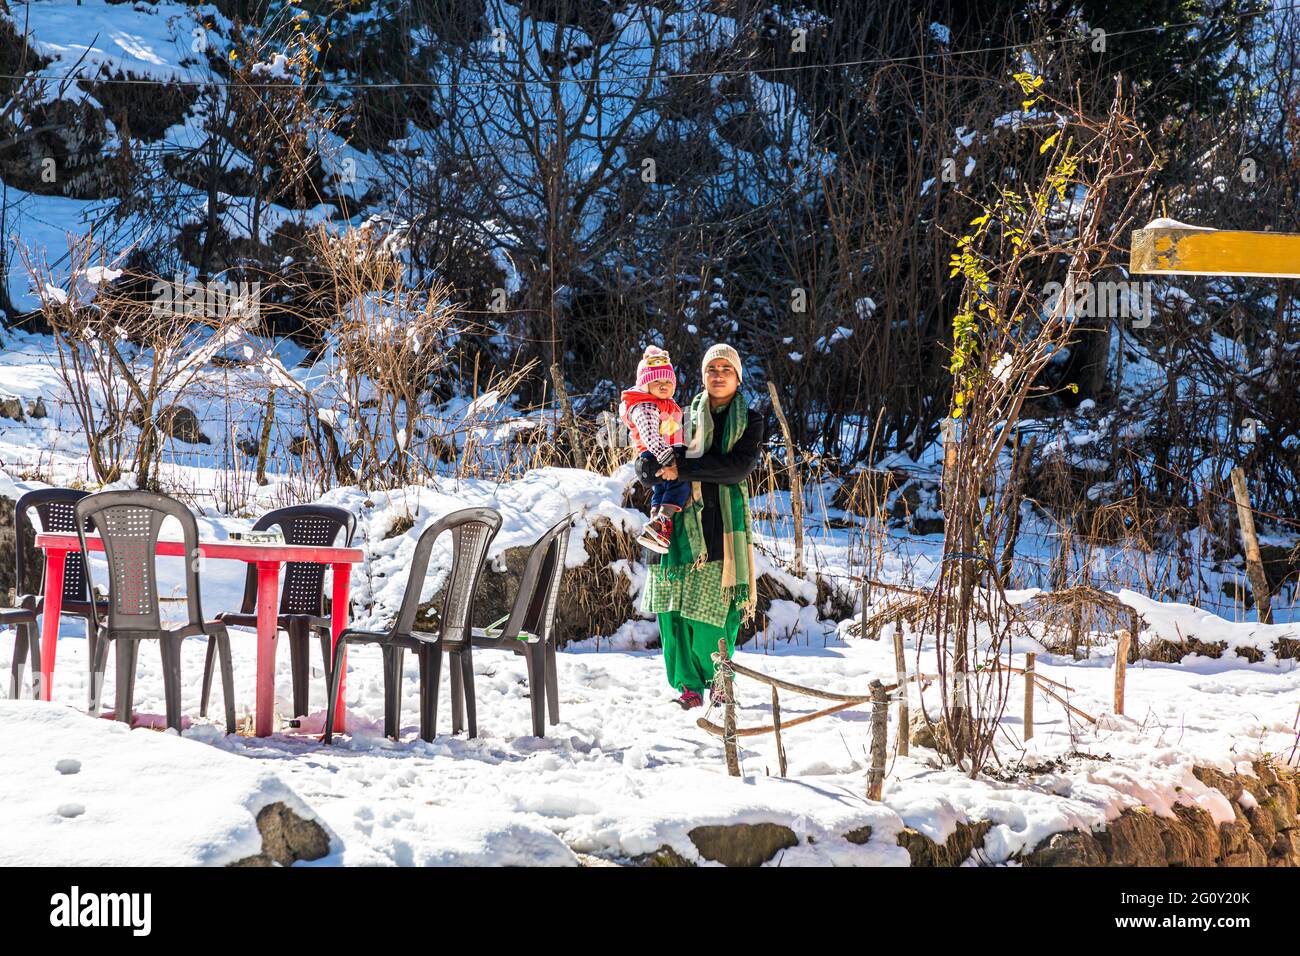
(1047, 143)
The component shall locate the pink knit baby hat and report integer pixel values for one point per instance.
(654, 365)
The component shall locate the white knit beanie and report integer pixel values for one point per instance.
(729, 355)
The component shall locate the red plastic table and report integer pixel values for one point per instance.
(267, 557)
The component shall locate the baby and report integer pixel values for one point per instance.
(655, 422)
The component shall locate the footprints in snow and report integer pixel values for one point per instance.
(66, 766)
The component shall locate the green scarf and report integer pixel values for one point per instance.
(686, 547)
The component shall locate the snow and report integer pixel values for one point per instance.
(1179, 622)
(1166, 223)
(152, 41)
(625, 771)
(85, 792)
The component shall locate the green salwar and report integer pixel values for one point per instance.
(689, 647)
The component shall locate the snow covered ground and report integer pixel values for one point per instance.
(625, 772)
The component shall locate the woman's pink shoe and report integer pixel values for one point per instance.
(689, 699)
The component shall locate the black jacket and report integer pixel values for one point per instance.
(715, 467)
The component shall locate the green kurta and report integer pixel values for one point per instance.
(693, 617)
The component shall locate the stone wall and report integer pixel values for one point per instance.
(1268, 834)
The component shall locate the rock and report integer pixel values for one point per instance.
(954, 851)
(182, 424)
(858, 836)
(36, 408)
(1262, 827)
(1227, 785)
(922, 734)
(1207, 847)
(742, 844)
(1072, 848)
(1283, 795)
(1251, 854)
(1134, 840)
(11, 408)
(1233, 837)
(1180, 845)
(907, 503)
(586, 859)
(286, 838)
(1264, 770)
(664, 856)
(1287, 848)
(934, 736)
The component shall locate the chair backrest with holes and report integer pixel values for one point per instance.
(539, 586)
(129, 523)
(472, 531)
(57, 510)
(304, 581)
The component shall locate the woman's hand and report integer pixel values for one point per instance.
(669, 473)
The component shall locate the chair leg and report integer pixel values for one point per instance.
(535, 657)
(227, 680)
(171, 661)
(92, 642)
(209, 659)
(430, 687)
(552, 683)
(34, 656)
(126, 659)
(98, 666)
(392, 691)
(336, 674)
(299, 664)
(457, 695)
(326, 651)
(21, 643)
(467, 686)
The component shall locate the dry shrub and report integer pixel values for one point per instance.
(1073, 615)
(594, 598)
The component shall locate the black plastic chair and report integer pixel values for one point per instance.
(128, 524)
(472, 531)
(529, 631)
(302, 598)
(27, 638)
(56, 509)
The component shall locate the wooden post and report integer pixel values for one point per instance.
(264, 443)
(796, 482)
(1029, 695)
(566, 415)
(1121, 665)
(728, 712)
(879, 740)
(776, 729)
(1249, 541)
(900, 665)
(949, 429)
